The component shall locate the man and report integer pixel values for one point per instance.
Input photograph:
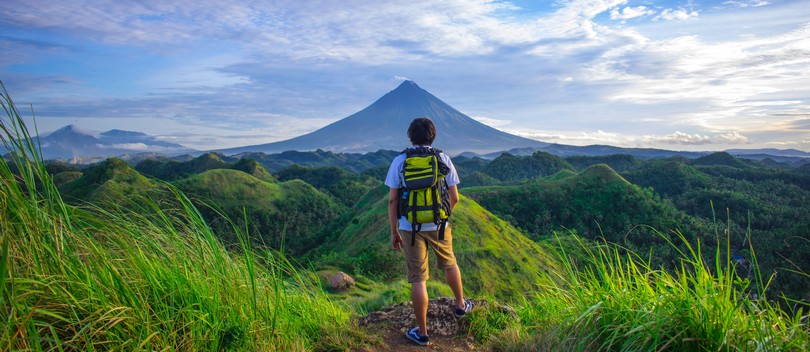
(422, 132)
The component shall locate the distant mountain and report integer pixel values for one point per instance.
(563, 150)
(769, 151)
(384, 125)
(72, 142)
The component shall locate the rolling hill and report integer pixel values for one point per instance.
(281, 215)
(495, 258)
(596, 203)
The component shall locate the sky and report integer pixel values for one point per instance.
(678, 75)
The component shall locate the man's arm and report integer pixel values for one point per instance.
(452, 191)
(393, 217)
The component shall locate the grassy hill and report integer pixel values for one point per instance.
(495, 258)
(170, 170)
(110, 180)
(596, 203)
(347, 188)
(508, 167)
(287, 215)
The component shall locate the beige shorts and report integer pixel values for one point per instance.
(417, 257)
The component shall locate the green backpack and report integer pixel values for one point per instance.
(425, 198)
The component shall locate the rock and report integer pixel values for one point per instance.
(440, 318)
(341, 281)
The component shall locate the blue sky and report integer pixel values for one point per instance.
(682, 75)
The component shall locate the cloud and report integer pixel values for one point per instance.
(491, 122)
(732, 138)
(630, 140)
(630, 12)
(746, 3)
(679, 138)
(677, 15)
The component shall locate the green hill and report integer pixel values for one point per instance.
(720, 158)
(595, 203)
(508, 167)
(170, 170)
(495, 258)
(345, 187)
(110, 180)
(287, 215)
(669, 178)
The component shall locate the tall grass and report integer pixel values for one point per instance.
(154, 279)
(617, 301)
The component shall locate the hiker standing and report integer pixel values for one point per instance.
(423, 192)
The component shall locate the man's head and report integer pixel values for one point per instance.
(422, 131)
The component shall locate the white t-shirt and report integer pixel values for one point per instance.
(394, 179)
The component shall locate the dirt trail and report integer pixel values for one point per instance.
(447, 333)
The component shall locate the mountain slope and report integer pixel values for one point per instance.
(384, 125)
(495, 258)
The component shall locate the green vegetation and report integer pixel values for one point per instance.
(112, 180)
(345, 187)
(596, 203)
(286, 216)
(170, 170)
(509, 168)
(622, 302)
(92, 279)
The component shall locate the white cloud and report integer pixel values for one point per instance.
(630, 140)
(679, 138)
(677, 15)
(630, 12)
(492, 122)
(732, 137)
(746, 3)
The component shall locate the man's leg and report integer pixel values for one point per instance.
(419, 296)
(453, 278)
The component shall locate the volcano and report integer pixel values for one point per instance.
(384, 125)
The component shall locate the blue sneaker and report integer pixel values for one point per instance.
(462, 312)
(413, 335)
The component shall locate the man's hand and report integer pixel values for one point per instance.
(396, 241)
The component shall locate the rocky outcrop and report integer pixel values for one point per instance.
(341, 281)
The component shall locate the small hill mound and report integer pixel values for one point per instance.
(720, 159)
(345, 187)
(253, 168)
(110, 180)
(559, 175)
(170, 170)
(669, 178)
(601, 173)
(495, 258)
(508, 167)
(288, 215)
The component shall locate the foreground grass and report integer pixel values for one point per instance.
(155, 279)
(616, 301)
